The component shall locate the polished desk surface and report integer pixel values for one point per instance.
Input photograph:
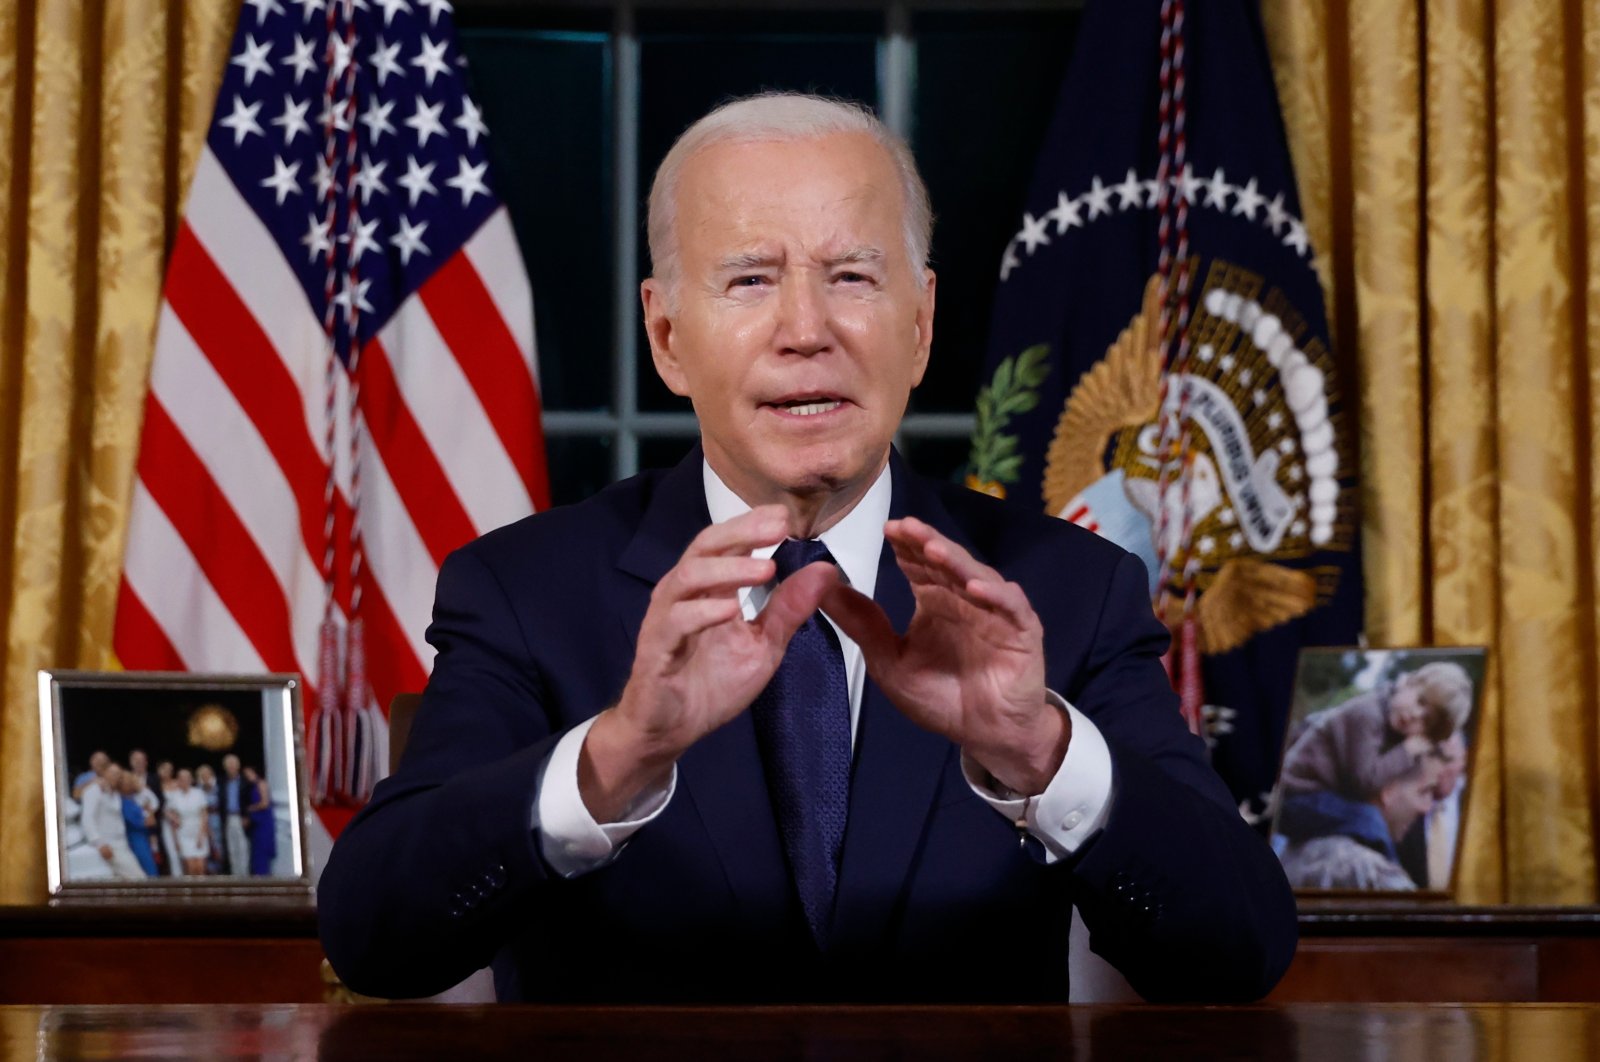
(1347, 1033)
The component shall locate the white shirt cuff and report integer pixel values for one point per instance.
(1073, 806)
(571, 841)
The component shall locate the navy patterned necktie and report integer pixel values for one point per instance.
(802, 722)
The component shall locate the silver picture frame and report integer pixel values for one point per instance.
(174, 847)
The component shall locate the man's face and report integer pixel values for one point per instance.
(138, 762)
(1452, 754)
(230, 764)
(800, 328)
(111, 777)
(98, 762)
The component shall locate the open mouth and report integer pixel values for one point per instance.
(807, 405)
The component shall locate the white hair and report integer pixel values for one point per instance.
(782, 116)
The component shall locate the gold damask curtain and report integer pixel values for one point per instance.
(103, 108)
(1449, 157)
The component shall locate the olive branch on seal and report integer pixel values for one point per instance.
(1013, 389)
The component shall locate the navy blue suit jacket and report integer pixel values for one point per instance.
(535, 626)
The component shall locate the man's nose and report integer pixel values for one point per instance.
(802, 326)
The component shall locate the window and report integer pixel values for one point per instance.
(584, 98)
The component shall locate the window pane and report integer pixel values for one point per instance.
(944, 459)
(664, 452)
(579, 465)
(689, 62)
(546, 96)
(976, 133)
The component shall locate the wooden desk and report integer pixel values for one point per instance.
(1348, 953)
(1343, 1033)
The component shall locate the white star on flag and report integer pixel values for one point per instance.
(337, 113)
(283, 180)
(301, 59)
(1033, 234)
(308, 8)
(471, 121)
(1249, 200)
(359, 236)
(435, 9)
(425, 120)
(1065, 213)
(392, 6)
(323, 178)
(253, 59)
(469, 180)
(1217, 190)
(1276, 215)
(370, 178)
(1099, 199)
(1130, 192)
(1188, 185)
(431, 59)
(343, 52)
(353, 293)
(293, 119)
(409, 239)
(318, 239)
(263, 9)
(384, 60)
(1009, 260)
(1296, 237)
(417, 179)
(243, 120)
(377, 119)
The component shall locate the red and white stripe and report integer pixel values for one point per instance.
(224, 567)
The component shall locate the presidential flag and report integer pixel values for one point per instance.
(1158, 366)
(344, 383)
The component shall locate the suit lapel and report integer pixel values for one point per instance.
(721, 774)
(897, 764)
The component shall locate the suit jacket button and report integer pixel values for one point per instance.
(495, 877)
(454, 911)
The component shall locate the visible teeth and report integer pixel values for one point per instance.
(808, 409)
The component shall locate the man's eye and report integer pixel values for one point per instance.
(749, 282)
(852, 277)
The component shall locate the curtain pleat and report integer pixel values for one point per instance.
(94, 183)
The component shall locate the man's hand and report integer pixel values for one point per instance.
(698, 662)
(971, 664)
(105, 852)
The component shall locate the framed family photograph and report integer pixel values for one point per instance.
(167, 787)
(1377, 768)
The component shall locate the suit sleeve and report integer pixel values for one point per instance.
(1177, 891)
(424, 884)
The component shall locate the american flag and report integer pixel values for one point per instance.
(344, 385)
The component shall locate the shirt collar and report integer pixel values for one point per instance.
(856, 541)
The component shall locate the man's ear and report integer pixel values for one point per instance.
(658, 329)
(925, 303)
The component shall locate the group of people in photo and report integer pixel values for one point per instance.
(1371, 788)
(176, 822)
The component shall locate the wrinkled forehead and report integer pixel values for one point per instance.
(831, 193)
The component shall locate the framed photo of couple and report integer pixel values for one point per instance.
(1376, 770)
(173, 787)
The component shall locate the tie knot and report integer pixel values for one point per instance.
(795, 553)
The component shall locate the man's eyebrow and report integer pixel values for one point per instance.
(855, 255)
(748, 260)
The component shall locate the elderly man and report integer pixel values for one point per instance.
(787, 722)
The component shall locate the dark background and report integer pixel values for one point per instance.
(157, 721)
(985, 80)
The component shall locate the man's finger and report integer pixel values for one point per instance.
(795, 599)
(762, 526)
(695, 615)
(940, 552)
(864, 620)
(706, 576)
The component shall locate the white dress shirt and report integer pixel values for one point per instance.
(1073, 806)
